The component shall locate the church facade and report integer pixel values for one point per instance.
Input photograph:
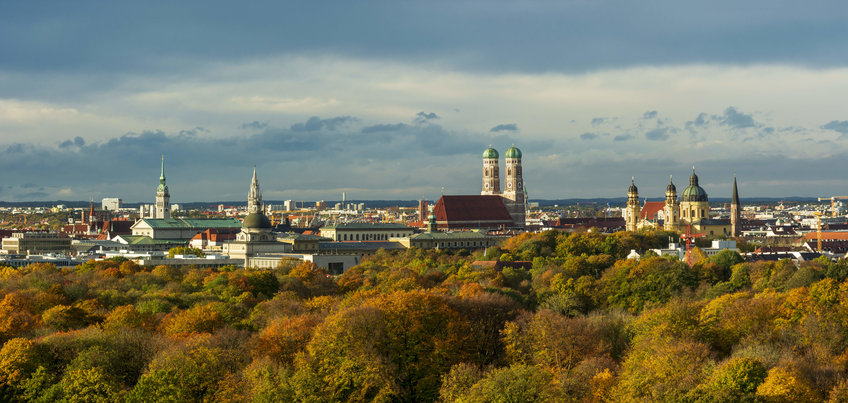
(690, 211)
(494, 208)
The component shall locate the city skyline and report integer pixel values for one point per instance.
(397, 101)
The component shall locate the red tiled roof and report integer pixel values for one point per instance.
(216, 235)
(827, 235)
(471, 212)
(650, 210)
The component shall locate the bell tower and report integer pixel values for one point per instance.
(163, 198)
(514, 195)
(634, 209)
(672, 207)
(491, 173)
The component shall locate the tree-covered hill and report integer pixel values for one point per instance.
(581, 324)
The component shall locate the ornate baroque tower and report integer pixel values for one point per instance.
(694, 204)
(735, 212)
(491, 173)
(634, 209)
(672, 207)
(163, 198)
(514, 196)
(254, 198)
(256, 226)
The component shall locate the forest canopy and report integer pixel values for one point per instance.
(566, 317)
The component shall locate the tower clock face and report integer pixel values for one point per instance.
(487, 186)
(509, 185)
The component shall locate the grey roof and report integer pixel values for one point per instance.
(369, 226)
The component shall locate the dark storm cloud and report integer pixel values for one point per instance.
(839, 126)
(737, 120)
(423, 117)
(658, 134)
(504, 127)
(731, 118)
(77, 141)
(588, 136)
(131, 160)
(169, 36)
(315, 123)
(254, 125)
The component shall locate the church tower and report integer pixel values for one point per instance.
(514, 196)
(254, 198)
(491, 173)
(256, 226)
(634, 209)
(163, 198)
(694, 204)
(672, 207)
(735, 212)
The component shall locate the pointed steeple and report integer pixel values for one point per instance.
(735, 198)
(254, 198)
(162, 186)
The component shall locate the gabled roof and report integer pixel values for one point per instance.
(836, 235)
(650, 210)
(471, 211)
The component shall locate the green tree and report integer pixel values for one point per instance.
(515, 384)
(631, 284)
(89, 385)
(735, 380)
(184, 250)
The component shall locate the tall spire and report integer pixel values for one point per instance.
(735, 199)
(254, 198)
(162, 186)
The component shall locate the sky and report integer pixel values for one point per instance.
(398, 99)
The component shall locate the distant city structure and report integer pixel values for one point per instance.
(162, 207)
(111, 203)
(691, 211)
(492, 208)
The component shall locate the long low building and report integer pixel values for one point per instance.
(182, 228)
(334, 264)
(366, 231)
(32, 243)
(450, 240)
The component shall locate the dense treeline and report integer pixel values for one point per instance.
(583, 324)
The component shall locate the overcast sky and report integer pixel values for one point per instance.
(398, 99)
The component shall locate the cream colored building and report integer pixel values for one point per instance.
(692, 211)
(366, 231)
(33, 243)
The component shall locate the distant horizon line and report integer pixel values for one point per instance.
(383, 201)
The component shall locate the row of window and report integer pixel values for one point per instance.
(693, 214)
(370, 237)
(460, 244)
